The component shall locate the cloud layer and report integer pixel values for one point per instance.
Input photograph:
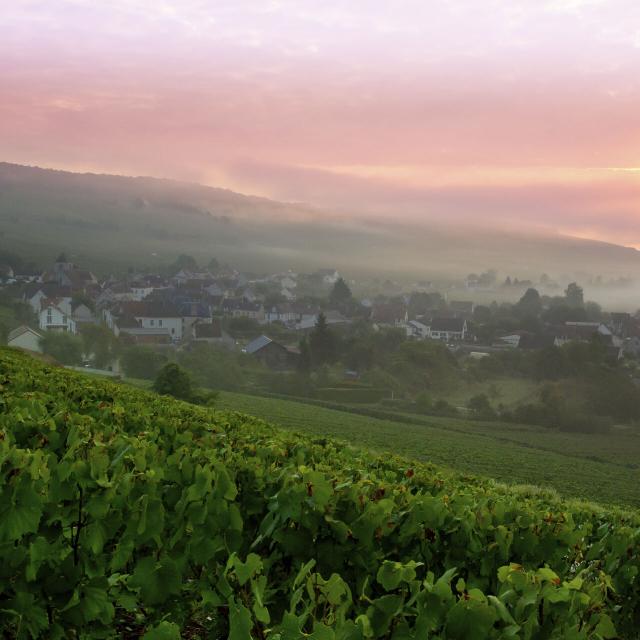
(508, 113)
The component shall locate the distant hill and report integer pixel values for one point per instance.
(113, 221)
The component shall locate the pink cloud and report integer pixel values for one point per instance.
(271, 97)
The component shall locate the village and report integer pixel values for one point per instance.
(272, 314)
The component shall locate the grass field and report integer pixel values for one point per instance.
(502, 390)
(605, 468)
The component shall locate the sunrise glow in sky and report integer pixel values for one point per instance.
(524, 114)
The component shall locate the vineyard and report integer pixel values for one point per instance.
(602, 467)
(129, 515)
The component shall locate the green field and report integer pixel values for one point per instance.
(591, 466)
(500, 390)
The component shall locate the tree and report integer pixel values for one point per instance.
(574, 295)
(24, 314)
(142, 362)
(481, 408)
(304, 362)
(421, 303)
(481, 313)
(213, 265)
(530, 303)
(340, 294)
(173, 380)
(322, 342)
(183, 261)
(64, 347)
(100, 344)
(212, 367)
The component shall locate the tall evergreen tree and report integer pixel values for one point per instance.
(574, 295)
(340, 294)
(304, 363)
(530, 303)
(322, 342)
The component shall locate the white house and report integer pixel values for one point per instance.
(25, 338)
(52, 318)
(448, 329)
(146, 315)
(512, 340)
(419, 330)
(36, 294)
(172, 323)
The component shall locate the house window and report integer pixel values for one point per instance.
(159, 323)
(64, 319)
(152, 322)
(173, 332)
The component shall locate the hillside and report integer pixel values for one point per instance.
(602, 467)
(126, 514)
(113, 221)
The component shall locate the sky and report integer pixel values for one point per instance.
(522, 115)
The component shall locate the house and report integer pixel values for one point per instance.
(512, 340)
(77, 279)
(67, 274)
(147, 315)
(291, 313)
(241, 308)
(331, 316)
(192, 312)
(418, 330)
(140, 291)
(214, 290)
(25, 338)
(35, 293)
(272, 354)
(28, 276)
(622, 324)
(581, 332)
(138, 335)
(211, 333)
(284, 313)
(53, 318)
(448, 329)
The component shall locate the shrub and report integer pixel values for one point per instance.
(64, 347)
(481, 408)
(173, 380)
(142, 362)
